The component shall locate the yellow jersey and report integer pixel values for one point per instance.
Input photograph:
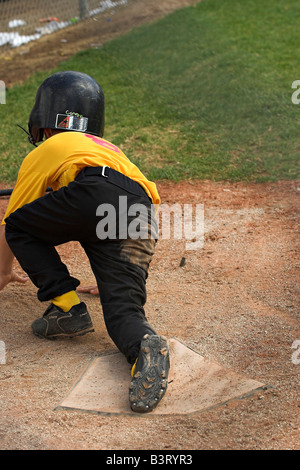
(59, 159)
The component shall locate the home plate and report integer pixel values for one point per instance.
(195, 384)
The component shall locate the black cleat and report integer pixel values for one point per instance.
(56, 323)
(149, 374)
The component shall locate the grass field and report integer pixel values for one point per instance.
(203, 93)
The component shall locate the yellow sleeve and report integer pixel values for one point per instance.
(29, 186)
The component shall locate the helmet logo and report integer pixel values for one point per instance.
(71, 121)
(64, 124)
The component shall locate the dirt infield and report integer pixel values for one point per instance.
(235, 300)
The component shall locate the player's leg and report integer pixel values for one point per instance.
(122, 292)
(122, 289)
(32, 232)
(121, 269)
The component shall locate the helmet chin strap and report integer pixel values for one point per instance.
(30, 138)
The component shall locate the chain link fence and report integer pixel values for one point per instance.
(22, 21)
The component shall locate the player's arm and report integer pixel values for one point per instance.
(31, 184)
(7, 274)
(89, 289)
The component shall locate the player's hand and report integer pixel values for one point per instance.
(89, 290)
(11, 277)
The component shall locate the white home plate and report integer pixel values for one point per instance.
(195, 384)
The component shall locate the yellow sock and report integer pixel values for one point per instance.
(133, 368)
(66, 301)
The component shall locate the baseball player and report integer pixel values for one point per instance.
(95, 187)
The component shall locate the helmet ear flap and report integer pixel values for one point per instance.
(40, 135)
(35, 134)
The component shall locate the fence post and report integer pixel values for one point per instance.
(83, 8)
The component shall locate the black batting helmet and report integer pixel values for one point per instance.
(69, 100)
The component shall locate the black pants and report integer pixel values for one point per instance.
(120, 264)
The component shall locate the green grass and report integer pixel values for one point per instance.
(203, 93)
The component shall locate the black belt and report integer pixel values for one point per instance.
(99, 171)
(114, 177)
